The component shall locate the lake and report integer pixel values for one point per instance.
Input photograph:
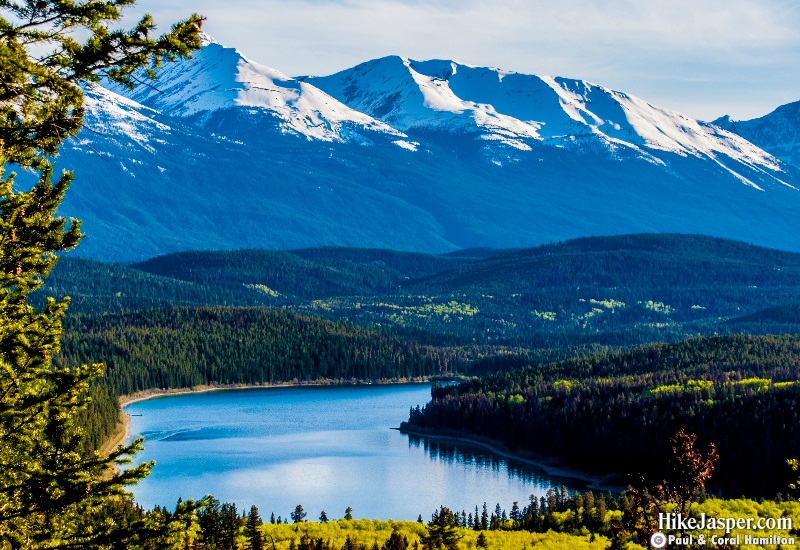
(325, 447)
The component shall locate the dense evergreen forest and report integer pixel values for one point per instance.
(608, 291)
(618, 291)
(614, 412)
(350, 314)
(307, 273)
(99, 287)
(186, 347)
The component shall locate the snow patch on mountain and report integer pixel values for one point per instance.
(508, 113)
(409, 145)
(217, 78)
(518, 109)
(110, 114)
(411, 95)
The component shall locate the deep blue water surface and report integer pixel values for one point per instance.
(323, 447)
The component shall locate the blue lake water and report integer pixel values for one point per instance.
(326, 448)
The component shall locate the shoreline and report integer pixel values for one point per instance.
(119, 436)
(593, 482)
(122, 430)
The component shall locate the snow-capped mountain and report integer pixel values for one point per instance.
(777, 132)
(520, 110)
(221, 152)
(219, 78)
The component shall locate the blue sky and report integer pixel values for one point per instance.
(704, 58)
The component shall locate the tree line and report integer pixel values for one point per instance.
(614, 412)
(184, 347)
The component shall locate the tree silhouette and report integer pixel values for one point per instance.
(252, 531)
(442, 530)
(691, 468)
(299, 515)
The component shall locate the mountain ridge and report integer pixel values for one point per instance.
(777, 132)
(493, 99)
(208, 157)
(218, 77)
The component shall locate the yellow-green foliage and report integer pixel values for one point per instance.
(360, 531)
(326, 305)
(263, 289)
(690, 386)
(516, 399)
(658, 307)
(447, 311)
(755, 383)
(368, 532)
(608, 304)
(519, 540)
(545, 315)
(563, 385)
(794, 464)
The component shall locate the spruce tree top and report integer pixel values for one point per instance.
(42, 65)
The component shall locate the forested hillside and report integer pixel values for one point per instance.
(186, 347)
(617, 291)
(397, 315)
(309, 273)
(104, 287)
(615, 412)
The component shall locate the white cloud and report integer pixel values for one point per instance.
(704, 58)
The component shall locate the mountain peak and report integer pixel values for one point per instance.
(218, 78)
(777, 132)
(506, 112)
(490, 158)
(206, 39)
(522, 111)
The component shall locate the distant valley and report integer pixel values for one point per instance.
(343, 314)
(603, 290)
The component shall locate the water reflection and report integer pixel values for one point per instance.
(325, 448)
(467, 454)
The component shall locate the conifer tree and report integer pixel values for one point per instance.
(442, 530)
(52, 495)
(229, 524)
(396, 541)
(299, 515)
(252, 528)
